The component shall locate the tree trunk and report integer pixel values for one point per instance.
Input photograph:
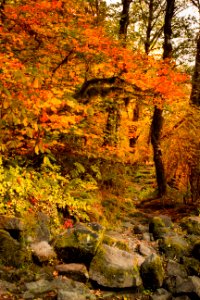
(195, 93)
(112, 126)
(195, 100)
(157, 121)
(156, 128)
(149, 27)
(124, 20)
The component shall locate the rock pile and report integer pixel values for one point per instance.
(157, 258)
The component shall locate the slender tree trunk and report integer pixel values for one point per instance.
(124, 20)
(195, 100)
(149, 27)
(157, 121)
(195, 93)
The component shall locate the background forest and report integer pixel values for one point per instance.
(92, 96)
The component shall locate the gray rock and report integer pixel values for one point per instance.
(11, 223)
(39, 287)
(174, 247)
(80, 243)
(161, 294)
(175, 269)
(139, 229)
(12, 252)
(170, 283)
(191, 285)
(65, 295)
(160, 226)
(192, 265)
(43, 251)
(42, 286)
(43, 227)
(75, 271)
(152, 272)
(115, 268)
(145, 250)
(146, 236)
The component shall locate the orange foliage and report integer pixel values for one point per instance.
(48, 50)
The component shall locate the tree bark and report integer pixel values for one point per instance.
(156, 129)
(195, 100)
(124, 20)
(149, 27)
(157, 121)
(195, 93)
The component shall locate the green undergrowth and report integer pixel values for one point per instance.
(79, 189)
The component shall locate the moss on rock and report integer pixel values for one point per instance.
(115, 268)
(12, 252)
(152, 272)
(174, 247)
(160, 226)
(191, 225)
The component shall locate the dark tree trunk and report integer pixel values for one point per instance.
(195, 94)
(124, 20)
(195, 100)
(156, 129)
(157, 121)
(112, 126)
(167, 45)
(149, 27)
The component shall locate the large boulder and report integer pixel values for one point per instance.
(12, 252)
(80, 243)
(65, 289)
(160, 226)
(152, 272)
(174, 247)
(115, 268)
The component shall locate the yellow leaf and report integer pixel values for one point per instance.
(35, 83)
(37, 149)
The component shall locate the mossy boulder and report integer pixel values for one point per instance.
(12, 252)
(152, 272)
(174, 247)
(160, 226)
(191, 225)
(115, 268)
(79, 244)
(192, 265)
(118, 243)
